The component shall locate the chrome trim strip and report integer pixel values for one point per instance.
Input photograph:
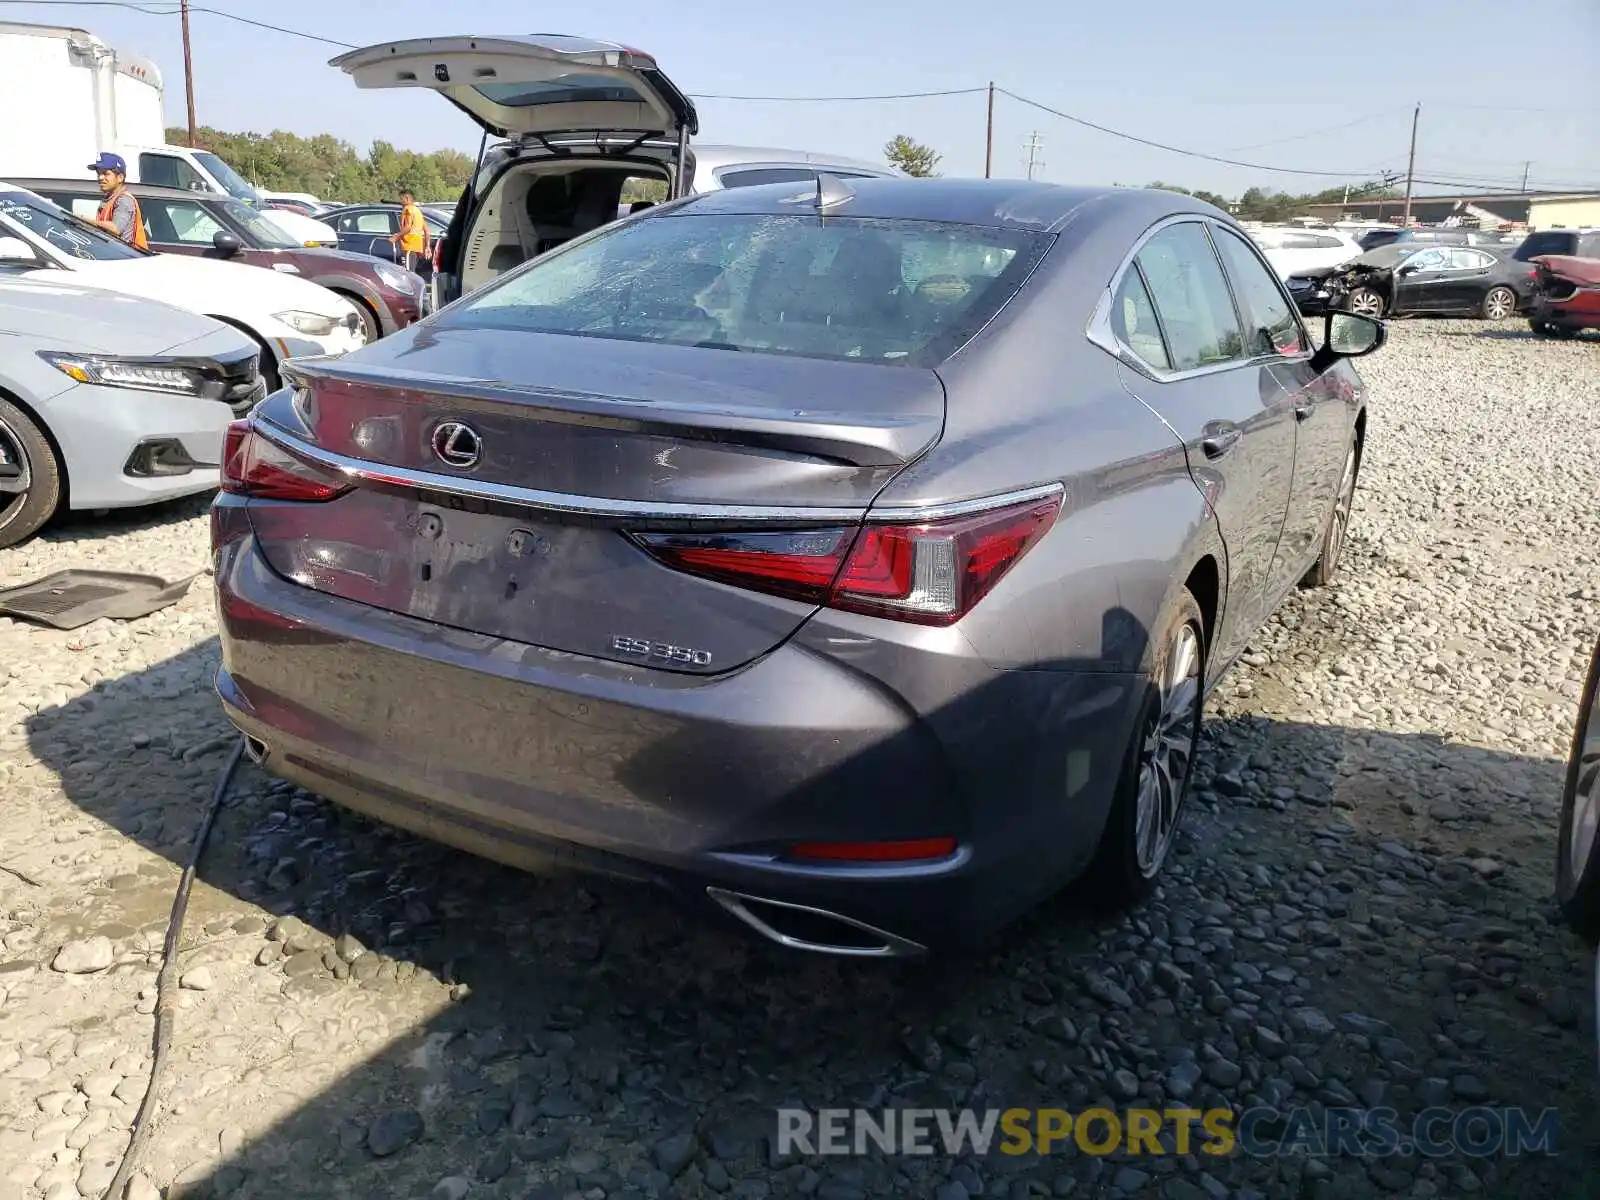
(893, 946)
(600, 506)
(911, 514)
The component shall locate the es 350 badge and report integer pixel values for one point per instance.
(641, 648)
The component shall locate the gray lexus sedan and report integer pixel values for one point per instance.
(852, 555)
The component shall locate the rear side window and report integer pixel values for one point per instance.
(905, 293)
(1552, 241)
(378, 223)
(1133, 320)
(756, 176)
(1274, 327)
(1191, 297)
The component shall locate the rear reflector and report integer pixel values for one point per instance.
(910, 851)
(254, 467)
(929, 574)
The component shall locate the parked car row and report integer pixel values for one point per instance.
(192, 223)
(90, 322)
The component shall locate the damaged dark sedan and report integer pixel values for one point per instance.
(1405, 279)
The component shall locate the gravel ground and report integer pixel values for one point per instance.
(1359, 913)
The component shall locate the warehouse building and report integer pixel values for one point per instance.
(1533, 210)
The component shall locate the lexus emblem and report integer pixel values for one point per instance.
(457, 445)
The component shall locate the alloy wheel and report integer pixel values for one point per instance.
(1168, 750)
(1366, 303)
(1499, 304)
(16, 477)
(1341, 511)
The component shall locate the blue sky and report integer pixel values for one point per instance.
(1264, 82)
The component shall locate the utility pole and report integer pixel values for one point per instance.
(188, 69)
(1525, 168)
(988, 139)
(1032, 147)
(1411, 162)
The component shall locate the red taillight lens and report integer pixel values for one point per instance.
(915, 850)
(254, 467)
(930, 574)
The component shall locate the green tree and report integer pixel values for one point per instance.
(335, 170)
(911, 156)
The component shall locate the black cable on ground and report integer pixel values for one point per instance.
(167, 983)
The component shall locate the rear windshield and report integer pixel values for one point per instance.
(894, 292)
(1545, 243)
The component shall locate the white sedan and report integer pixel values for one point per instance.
(1291, 249)
(287, 317)
(306, 230)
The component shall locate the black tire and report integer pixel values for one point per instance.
(1367, 302)
(1119, 875)
(1337, 530)
(1498, 300)
(1550, 329)
(24, 447)
(370, 325)
(1578, 890)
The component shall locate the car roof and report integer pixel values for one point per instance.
(148, 190)
(996, 203)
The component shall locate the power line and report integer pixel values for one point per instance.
(1232, 162)
(173, 10)
(1299, 137)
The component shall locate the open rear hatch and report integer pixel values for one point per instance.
(548, 513)
(530, 85)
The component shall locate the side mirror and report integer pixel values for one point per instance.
(227, 243)
(1351, 335)
(1407, 270)
(15, 250)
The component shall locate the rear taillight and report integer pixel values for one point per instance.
(931, 573)
(255, 467)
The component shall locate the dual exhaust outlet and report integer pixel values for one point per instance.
(792, 926)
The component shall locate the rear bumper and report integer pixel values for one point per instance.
(530, 757)
(1580, 311)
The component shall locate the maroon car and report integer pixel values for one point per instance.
(216, 226)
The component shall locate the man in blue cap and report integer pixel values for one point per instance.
(119, 214)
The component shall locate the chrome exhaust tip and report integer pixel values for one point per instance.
(255, 749)
(802, 927)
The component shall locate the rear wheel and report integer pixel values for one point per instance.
(1578, 854)
(1365, 302)
(1143, 823)
(1499, 303)
(1338, 528)
(30, 477)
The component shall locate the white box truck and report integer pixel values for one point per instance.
(85, 96)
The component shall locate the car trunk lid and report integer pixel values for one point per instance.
(507, 508)
(523, 85)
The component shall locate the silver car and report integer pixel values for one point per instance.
(107, 401)
(856, 555)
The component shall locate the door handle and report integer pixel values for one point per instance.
(1220, 442)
